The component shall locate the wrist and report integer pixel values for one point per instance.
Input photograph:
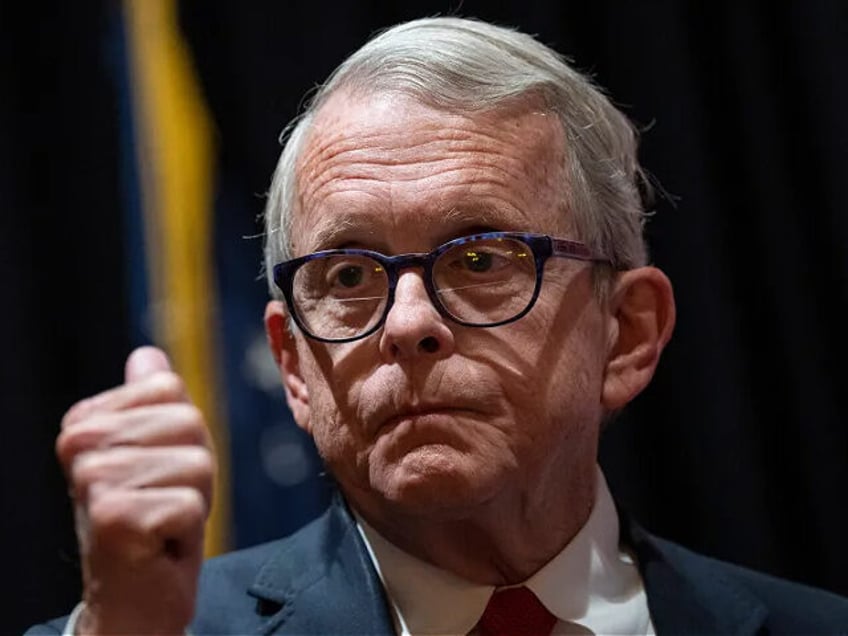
(92, 623)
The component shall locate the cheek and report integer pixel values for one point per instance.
(574, 389)
(332, 419)
(551, 367)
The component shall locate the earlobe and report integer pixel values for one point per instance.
(284, 349)
(642, 319)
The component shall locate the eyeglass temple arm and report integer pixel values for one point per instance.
(575, 249)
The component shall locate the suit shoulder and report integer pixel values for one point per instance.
(303, 544)
(226, 595)
(789, 598)
(238, 569)
(241, 564)
(51, 628)
(792, 607)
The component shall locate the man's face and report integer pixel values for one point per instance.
(426, 416)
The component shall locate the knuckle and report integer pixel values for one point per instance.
(192, 419)
(179, 510)
(117, 530)
(200, 460)
(191, 414)
(79, 411)
(70, 443)
(193, 504)
(71, 415)
(86, 435)
(169, 385)
(108, 514)
(85, 470)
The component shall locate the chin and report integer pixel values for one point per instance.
(431, 479)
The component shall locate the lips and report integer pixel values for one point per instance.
(391, 417)
(423, 411)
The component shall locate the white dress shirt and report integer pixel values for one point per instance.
(591, 586)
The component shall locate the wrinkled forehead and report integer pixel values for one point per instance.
(360, 142)
(526, 122)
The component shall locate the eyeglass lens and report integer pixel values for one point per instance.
(478, 282)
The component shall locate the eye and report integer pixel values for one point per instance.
(350, 275)
(483, 262)
(483, 259)
(477, 261)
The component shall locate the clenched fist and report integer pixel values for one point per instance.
(140, 469)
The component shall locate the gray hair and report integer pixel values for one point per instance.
(470, 66)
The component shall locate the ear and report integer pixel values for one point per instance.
(284, 348)
(642, 311)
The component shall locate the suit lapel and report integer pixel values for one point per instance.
(689, 593)
(323, 583)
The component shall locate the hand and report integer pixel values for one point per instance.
(140, 467)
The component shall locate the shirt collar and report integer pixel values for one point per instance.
(425, 599)
(590, 582)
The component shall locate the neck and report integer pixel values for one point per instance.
(501, 542)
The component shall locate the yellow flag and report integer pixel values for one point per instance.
(174, 145)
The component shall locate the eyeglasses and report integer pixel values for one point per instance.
(483, 280)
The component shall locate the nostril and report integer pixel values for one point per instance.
(429, 344)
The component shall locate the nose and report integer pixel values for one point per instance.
(413, 327)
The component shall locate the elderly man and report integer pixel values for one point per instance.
(462, 298)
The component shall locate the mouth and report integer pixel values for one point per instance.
(412, 430)
(423, 414)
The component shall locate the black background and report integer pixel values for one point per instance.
(738, 449)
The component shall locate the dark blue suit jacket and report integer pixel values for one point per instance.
(321, 581)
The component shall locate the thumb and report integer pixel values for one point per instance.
(145, 361)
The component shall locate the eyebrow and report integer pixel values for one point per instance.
(471, 215)
(345, 227)
(329, 234)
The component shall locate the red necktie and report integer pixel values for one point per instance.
(515, 611)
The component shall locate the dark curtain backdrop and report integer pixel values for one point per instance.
(738, 449)
(62, 310)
